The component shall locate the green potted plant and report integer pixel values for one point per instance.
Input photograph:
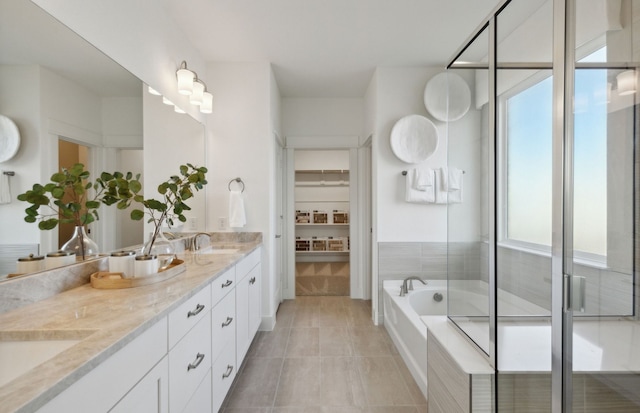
(174, 191)
(71, 198)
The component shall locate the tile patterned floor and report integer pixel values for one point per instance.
(324, 356)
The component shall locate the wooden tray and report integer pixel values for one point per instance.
(114, 280)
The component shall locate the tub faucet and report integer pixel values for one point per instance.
(407, 284)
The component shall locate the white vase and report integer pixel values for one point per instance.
(81, 245)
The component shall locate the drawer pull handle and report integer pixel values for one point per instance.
(226, 323)
(228, 372)
(228, 283)
(195, 312)
(252, 280)
(197, 362)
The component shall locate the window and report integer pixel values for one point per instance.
(527, 150)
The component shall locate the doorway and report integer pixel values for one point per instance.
(69, 154)
(322, 220)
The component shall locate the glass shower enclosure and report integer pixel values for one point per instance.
(551, 297)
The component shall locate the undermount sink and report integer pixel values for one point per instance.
(21, 351)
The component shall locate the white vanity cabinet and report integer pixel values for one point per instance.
(190, 355)
(247, 302)
(115, 381)
(184, 363)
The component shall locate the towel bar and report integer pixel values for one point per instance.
(239, 181)
(405, 172)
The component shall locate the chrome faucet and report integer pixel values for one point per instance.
(407, 284)
(194, 240)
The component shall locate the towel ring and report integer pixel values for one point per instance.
(239, 181)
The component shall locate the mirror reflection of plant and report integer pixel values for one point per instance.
(72, 198)
(175, 191)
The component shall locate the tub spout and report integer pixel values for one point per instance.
(407, 284)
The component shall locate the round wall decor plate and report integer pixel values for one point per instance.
(447, 97)
(9, 139)
(414, 139)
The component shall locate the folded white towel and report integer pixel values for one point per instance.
(440, 185)
(422, 179)
(237, 217)
(5, 189)
(454, 182)
(420, 197)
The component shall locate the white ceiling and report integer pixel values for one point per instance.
(329, 48)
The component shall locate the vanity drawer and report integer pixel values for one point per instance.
(183, 318)
(222, 374)
(222, 285)
(189, 363)
(223, 328)
(247, 263)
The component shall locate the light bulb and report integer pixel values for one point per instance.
(185, 81)
(207, 103)
(196, 96)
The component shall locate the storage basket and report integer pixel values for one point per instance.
(303, 217)
(318, 244)
(320, 217)
(340, 217)
(303, 244)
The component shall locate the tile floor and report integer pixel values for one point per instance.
(324, 356)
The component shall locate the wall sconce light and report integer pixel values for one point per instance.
(189, 84)
(626, 82)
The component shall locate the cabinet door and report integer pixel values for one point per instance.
(255, 301)
(223, 326)
(150, 395)
(242, 318)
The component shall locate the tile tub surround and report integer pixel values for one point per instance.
(324, 356)
(117, 316)
(427, 260)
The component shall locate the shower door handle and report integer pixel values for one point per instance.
(575, 293)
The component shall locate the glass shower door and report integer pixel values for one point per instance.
(600, 218)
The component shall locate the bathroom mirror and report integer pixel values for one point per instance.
(57, 87)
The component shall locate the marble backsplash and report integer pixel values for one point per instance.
(21, 291)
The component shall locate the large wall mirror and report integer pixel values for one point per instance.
(71, 103)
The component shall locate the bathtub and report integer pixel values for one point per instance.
(402, 321)
(409, 333)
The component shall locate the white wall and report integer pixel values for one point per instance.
(400, 93)
(241, 144)
(19, 101)
(322, 117)
(122, 121)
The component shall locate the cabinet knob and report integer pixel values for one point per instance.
(228, 372)
(196, 311)
(196, 362)
(226, 323)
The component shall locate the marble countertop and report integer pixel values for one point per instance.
(111, 318)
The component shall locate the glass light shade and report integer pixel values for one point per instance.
(178, 110)
(626, 82)
(153, 91)
(207, 103)
(166, 101)
(185, 81)
(196, 96)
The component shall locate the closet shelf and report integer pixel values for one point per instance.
(322, 225)
(322, 183)
(322, 252)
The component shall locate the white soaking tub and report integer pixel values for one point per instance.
(402, 321)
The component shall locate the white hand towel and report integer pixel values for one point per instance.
(237, 217)
(440, 185)
(455, 186)
(420, 197)
(455, 179)
(422, 179)
(5, 189)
